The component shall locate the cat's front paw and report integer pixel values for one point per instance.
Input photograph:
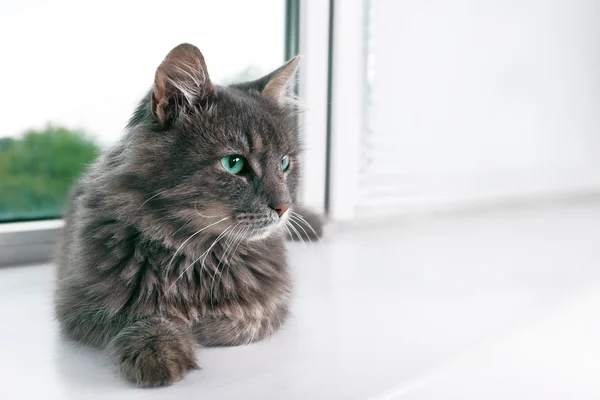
(222, 330)
(153, 353)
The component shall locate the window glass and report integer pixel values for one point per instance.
(73, 72)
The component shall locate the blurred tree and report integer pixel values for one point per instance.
(37, 171)
(6, 143)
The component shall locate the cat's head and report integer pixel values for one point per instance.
(214, 157)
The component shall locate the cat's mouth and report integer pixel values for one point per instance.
(263, 232)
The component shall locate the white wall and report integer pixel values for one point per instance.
(482, 98)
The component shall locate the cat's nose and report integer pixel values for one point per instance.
(281, 209)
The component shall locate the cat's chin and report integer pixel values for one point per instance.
(264, 233)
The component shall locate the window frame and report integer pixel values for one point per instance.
(314, 85)
(348, 83)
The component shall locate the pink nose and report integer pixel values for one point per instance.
(281, 209)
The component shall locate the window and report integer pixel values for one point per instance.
(74, 71)
(453, 103)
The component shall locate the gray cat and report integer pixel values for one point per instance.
(175, 236)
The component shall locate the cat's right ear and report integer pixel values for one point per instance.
(181, 77)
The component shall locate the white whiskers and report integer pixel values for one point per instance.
(294, 221)
(147, 200)
(187, 240)
(291, 225)
(202, 255)
(300, 218)
(234, 237)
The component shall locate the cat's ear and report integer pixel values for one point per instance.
(181, 77)
(278, 82)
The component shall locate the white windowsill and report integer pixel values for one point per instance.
(497, 304)
(28, 242)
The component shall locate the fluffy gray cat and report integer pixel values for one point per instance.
(175, 236)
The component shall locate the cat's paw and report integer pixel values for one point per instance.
(153, 353)
(220, 330)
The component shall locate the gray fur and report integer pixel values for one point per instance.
(162, 248)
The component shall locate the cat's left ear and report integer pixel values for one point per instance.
(279, 81)
(276, 84)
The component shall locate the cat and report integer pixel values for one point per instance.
(174, 237)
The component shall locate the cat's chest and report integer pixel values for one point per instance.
(246, 284)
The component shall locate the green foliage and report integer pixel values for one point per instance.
(37, 171)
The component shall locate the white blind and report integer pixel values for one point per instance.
(479, 99)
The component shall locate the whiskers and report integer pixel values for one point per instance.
(188, 239)
(291, 228)
(296, 227)
(235, 237)
(297, 223)
(148, 200)
(205, 254)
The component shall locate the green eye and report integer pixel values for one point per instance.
(233, 163)
(285, 163)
